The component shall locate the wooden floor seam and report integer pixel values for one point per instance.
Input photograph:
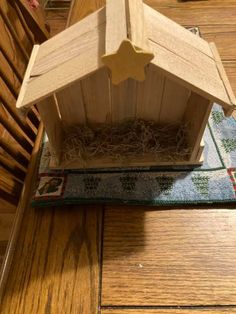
(101, 261)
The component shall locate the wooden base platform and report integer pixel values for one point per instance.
(102, 163)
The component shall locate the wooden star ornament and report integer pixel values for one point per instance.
(127, 62)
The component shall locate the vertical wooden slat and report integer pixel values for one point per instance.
(50, 116)
(149, 95)
(71, 105)
(123, 100)
(196, 116)
(96, 94)
(174, 102)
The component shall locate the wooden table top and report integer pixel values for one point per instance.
(131, 260)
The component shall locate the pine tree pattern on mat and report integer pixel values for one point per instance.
(214, 181)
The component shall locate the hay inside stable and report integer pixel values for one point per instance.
(126, 140)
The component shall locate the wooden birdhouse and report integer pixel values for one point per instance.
(125, 64)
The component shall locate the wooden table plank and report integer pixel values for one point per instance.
(169, 257)
(191, 4)
(212, 12)
(224, 36)
(230, 68)
(81, 8)
(170, 311)
(57, 20)
(198, 15)
(56, 264)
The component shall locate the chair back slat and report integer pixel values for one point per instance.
(34, 118)
(10, 188)
(12, 151)
(22, 123)
(12, 168)
(11, 62)
(12, 31)
(20, 30)
(19, 137)
(28, 33)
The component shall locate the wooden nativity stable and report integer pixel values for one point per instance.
(125, 62)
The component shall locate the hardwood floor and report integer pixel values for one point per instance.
(152, 258)
(56, 19)
(56, 262)
(121, 260)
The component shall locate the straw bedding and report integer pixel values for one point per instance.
(126, 140)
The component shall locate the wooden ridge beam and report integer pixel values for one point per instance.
(127, 50)
(116, 27)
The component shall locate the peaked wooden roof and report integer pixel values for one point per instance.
(86, 46)
(188, 59)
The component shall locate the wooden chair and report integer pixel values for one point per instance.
(20, 29)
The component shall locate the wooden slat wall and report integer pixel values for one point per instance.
(17, 134)
(157, 98)
(71, 105)
(123, 99)
(174, 101)
(150, 94)
(196, 116)
(96, 94)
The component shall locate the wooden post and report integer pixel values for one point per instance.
(49, 113)
(196, 117)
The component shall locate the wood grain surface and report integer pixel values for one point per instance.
(3, 246)
(177, 257)
(82, 8)
(146, 253)
(56, 263)
(57, 20)
(6, 220)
